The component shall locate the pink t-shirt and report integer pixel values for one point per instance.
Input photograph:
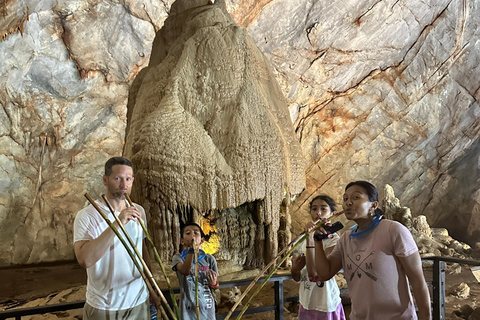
(377, 283)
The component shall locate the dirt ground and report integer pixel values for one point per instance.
(54, 283)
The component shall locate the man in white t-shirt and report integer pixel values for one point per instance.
(115, 288)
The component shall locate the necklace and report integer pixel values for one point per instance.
(355, 233)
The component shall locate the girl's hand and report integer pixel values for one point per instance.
(309, 226)
(298, 263)
(321, 230)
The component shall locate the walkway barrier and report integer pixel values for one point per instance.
(438, 297)
(438, 283)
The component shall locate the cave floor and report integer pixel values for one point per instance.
(28, 283)
(23, 284)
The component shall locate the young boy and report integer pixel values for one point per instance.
(184, 265)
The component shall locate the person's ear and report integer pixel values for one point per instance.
(374, 205)
(105, 181)
(182, 242)
(203, 239)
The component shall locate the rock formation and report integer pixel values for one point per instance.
(385, 91)
(63, 92)
(208, 130)
(430, 241)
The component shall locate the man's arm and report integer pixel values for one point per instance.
(88, 252)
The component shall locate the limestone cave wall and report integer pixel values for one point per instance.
(380, 90)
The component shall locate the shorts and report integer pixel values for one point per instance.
(140, 312)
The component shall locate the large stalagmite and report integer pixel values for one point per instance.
(208, 129)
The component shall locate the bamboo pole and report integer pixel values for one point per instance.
(147, 271)
(296, 242)
(197, 307)
(159, 261)
(130, 253)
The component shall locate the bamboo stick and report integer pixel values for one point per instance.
(297, 241)
(130, 253)
(159, 261)
(147, 271)
(197, 307)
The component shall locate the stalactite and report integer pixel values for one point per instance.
(208, 126)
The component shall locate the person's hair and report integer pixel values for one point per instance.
(371, 191)
(191, 224)
(331, 203)
(114, 161)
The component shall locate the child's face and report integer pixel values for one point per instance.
(190, 233)
(320, 209)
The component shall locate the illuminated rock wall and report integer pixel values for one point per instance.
(380, 90)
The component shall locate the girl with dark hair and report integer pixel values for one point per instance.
(379, 258)
(318, 300)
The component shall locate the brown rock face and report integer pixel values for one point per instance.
(209, 129)
(385, 91)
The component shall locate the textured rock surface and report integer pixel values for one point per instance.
(385, 91)
(63, 94)
(209, 130)
(379, 90)
(430, 241)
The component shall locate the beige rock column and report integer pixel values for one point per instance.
(208, 128)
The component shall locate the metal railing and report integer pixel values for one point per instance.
(438, 283)
(277, 307)
(438, 297)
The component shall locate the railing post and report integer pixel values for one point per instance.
(279, 300)
(168, 297)
(438, 283)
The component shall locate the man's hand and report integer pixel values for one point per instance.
(129, 214)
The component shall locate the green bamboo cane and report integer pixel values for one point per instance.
(197, 308)
(260, 287)
(159, 261)
(297, 241)
(130, 253)
(144, 265)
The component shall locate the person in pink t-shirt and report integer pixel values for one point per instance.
(380, 260)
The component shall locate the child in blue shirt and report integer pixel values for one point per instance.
(184, 265)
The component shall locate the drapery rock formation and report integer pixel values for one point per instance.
(380, 90)
(208, 129)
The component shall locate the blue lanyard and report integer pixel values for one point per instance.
(367, 230)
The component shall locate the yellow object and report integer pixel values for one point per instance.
(213, 243)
